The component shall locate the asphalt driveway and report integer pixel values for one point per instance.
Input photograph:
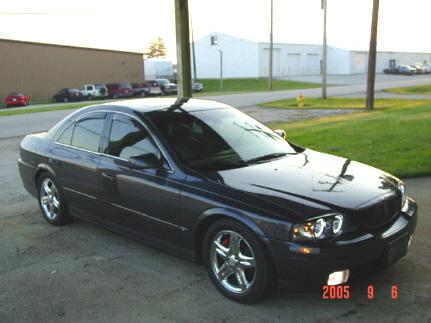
(83, 273)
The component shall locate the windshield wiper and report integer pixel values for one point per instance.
(219, 165)
(265, 157)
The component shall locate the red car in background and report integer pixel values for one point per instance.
(15, 99)
(120, 90)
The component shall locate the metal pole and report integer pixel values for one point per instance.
(221, 69)
(372, 57)
(195, 78)
(325, 52)
(183, 49)
(271, 48)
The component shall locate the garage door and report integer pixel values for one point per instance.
(293, 64)
(312, 67)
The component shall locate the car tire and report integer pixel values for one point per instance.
(51, 201)
(89, 97)
(236, 262)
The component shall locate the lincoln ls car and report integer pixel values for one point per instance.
(204, 181)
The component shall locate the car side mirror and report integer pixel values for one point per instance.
(281, 133)
(145, 161)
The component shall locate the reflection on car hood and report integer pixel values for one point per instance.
(313, 176)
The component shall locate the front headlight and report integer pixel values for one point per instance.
(326, 226)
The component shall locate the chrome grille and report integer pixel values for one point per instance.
(379, 214)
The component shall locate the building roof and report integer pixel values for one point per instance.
(68, 46)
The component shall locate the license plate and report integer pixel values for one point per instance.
(13, 99)
(397, 249)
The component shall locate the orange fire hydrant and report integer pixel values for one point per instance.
(300, 100)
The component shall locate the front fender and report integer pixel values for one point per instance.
(221, 212)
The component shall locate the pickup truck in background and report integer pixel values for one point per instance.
(94, 91)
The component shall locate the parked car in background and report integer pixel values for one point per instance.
(392, 70)
(427, 69)
(197, 87)
(15, 99)
(98, 91)
(68, 95)
(407, 70)
(120, 90)
(150, 88)
(420, 69)
(167, 86)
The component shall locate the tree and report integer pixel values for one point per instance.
(372, 57)
(157, 48)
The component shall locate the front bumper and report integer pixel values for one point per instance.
(314, 262)
(17, 102)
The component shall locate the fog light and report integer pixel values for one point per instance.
(410, 242)
(339, 277)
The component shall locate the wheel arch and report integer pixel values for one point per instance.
(42, 168)
(210, 216)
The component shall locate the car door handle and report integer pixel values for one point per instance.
(53, 161)
(108, 176)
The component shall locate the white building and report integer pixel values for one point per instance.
(246, 58)
(158, 68)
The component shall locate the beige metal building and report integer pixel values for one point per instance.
(39, 70)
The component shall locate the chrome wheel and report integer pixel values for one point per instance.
(49, 199)
(233, 262)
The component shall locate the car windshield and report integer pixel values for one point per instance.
(218, 139)
(163, 82)
(125, 86)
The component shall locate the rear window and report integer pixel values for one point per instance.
(16, 94)
(99, 86)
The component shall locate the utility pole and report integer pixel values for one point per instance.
(183, 49)
(221, 69)
(371, 79)
(271, 48)
(325, 52)
(195, 78)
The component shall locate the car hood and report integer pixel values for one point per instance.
(319, 178)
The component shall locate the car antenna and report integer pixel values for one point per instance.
(177, 105)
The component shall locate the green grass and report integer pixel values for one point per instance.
(212, 86)
(7, 112)
(396, 139)
(421, 89)
(331, 103)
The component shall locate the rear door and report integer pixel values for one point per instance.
(142, 202)
(74, 157)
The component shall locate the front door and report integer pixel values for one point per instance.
(144, 202)
(74, 157)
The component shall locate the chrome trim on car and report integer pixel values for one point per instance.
(149, 216)
(80, 193)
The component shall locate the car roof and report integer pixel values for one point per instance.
(155, 104)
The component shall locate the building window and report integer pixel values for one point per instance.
(214, 40)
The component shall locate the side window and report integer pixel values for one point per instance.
(66, 136)
(88, 131)
(89, 88)
(128, 138)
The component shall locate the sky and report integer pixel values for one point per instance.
(131, 24)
